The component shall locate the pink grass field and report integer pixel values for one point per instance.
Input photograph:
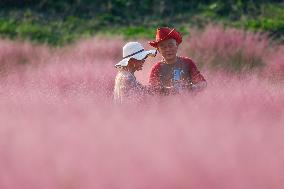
(59, 128)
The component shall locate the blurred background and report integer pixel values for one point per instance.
(59, 127)
(57, 22)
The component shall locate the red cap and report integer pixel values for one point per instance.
(166, 33)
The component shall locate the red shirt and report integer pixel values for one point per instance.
(190, 68)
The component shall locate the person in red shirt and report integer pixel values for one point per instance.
(173, 74)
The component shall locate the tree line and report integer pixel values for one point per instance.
(135, 8)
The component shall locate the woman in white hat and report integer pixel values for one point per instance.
(126, 87)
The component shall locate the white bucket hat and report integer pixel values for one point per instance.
(134, 50)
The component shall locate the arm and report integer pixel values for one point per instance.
(154, 80)
(198, 81)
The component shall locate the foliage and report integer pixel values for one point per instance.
(60, 22)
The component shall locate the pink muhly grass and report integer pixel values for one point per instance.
(276, 62)
(60, 128)
(17, 55)
(229, 136)
(228, 49)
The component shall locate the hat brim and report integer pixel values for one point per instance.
(139, 56)
(172, 35)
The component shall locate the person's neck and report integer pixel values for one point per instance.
(171, 61)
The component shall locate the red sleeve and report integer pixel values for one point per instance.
(196, 76)
(154, 79)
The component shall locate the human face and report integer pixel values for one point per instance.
(168, 48)
(136, 65)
